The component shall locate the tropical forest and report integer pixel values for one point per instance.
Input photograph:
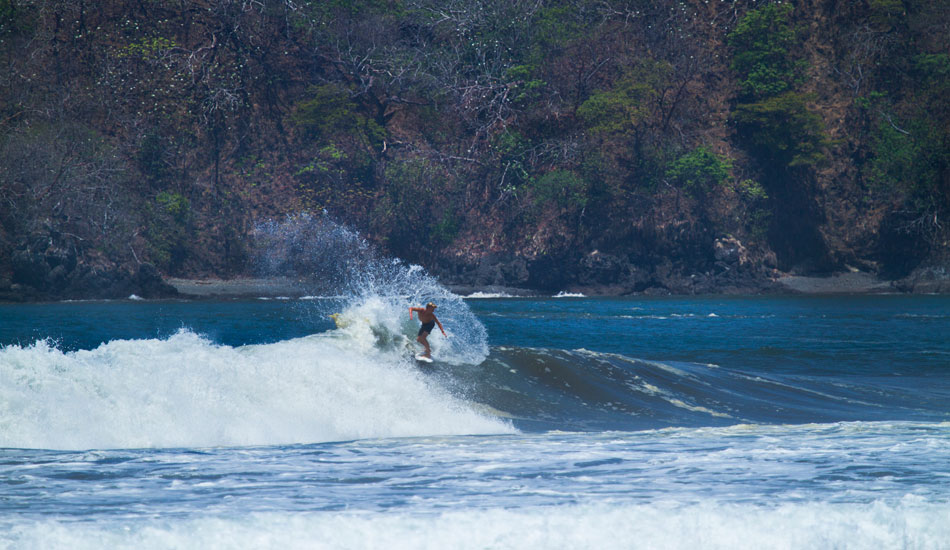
(606, 146)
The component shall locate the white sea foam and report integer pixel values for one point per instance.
(187, 391)
(908, 525)
(486, 295)
(377, 291)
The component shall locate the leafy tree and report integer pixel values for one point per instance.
(762, 42)
(620, 109)
(771, 116)
(560, 187)
(417, 206)
(623, 121)
(626, 108)
(168, 230)
(330, 112)
(699, 171)
(911, 163)
(555, 28)
(782, 129)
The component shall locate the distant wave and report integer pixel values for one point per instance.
(484, 295)
(564, 294)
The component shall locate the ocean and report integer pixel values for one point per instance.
(567, 422)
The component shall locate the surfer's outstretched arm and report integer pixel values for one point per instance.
(440, 326)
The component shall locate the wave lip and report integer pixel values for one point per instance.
(185, 391)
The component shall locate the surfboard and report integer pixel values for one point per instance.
(423, 359)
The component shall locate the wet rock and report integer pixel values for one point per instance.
(549, 273)
(501, 270)
(30, 269)
(933, 279)
(56, 278)
(730, 250)
(150, 283)
(598, 268)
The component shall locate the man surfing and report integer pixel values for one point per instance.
(429, 320)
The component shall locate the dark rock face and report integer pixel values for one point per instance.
(150, 283)
(926, 280)
(501, 270)
(44, 269)
(727, 268)
(730, 251)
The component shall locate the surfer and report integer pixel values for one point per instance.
(429, 320)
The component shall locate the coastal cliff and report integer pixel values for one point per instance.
(608, 147)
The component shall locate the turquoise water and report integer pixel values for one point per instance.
(714, 422)
(846, 334)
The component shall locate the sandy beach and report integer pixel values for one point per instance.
(845, 283)
(239, 288)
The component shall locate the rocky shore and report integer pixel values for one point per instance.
(844, 283)
(54, 275)
(147, 283)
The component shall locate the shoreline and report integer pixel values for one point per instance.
(839, 284)
(238, 288)
(850, 283)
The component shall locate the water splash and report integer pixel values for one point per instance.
(376, 291)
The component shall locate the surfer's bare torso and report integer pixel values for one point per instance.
(429, 320)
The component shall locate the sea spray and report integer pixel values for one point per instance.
(375, 291)
(187, 391)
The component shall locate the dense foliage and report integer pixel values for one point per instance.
(551, 132)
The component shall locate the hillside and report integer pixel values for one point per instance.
(601, 145)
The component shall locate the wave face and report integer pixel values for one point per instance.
(358, 381)
(185, 391)
(583, 390)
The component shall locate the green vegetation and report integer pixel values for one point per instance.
(782, 129)
(762, 42)
(907, 123)
(168, 230)
(330, 112)
(447, 131)
(751, 190)
(147, 48)
(699, 171)
(910, 162)
(560, 187)
(626, 105)
(772, 117)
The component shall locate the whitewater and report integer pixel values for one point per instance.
(547, 422)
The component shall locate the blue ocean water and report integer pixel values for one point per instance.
(700, 422)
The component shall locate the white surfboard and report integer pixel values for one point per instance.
(423, 358)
